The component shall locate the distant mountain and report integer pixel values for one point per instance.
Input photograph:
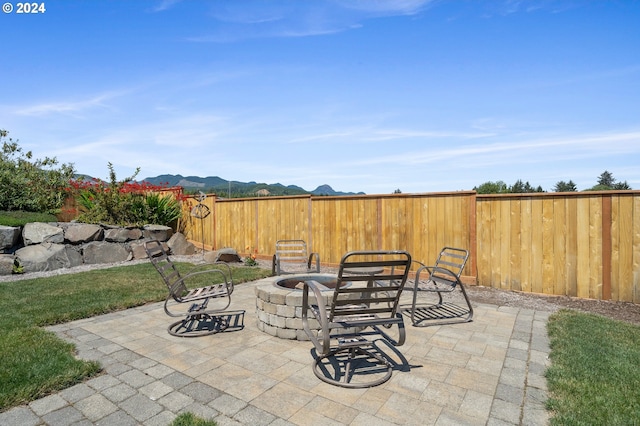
(327, 190)
(224, 187)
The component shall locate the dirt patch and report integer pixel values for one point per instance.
(623, 311)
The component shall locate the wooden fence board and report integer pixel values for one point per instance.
(635, 214)
(548, 274)
(559, 227)
(624, 267)
(515, 233)
(525, 245)
(583, 249)
(571, 246)
(537, 239)
(595, 243)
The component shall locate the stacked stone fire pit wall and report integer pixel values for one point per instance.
(41, 246)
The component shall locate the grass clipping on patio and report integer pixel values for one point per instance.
(595, 370)
(35, 362)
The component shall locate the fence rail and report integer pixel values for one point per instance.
(576, 244)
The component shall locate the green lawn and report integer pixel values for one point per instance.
(20, 218)
(34, 362)
(594, 378)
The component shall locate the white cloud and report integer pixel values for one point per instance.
(165, 5)
(275, 19)
(76, 107)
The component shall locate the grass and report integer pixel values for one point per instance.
(594, 376)
(20, 218)
(188, 419)
(34, 362)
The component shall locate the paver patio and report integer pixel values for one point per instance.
(486, 372)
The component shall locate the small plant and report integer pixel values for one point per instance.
(250, 260)
(17, 267)
(189, 419)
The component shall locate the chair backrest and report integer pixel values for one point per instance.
(292, 250)
(452, 259)
(369, 283)
(168, 271)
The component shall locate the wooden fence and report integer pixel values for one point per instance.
(577, 244)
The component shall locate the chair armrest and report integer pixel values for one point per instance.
(321, 316)
(313, 256)
(436, 269)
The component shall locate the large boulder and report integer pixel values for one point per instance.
(180, 246)
(47, 257)
(6, 264)
(226, 254)
(105, 252)
(78, 233)
(9, 236)
(122, 235)
(138, 251)
(38, 232)
(157, 232)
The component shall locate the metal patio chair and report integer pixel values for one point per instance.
(293, 255)
(355, 317)
(197, 317)
(441, 278)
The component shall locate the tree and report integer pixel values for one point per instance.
(498, 187)
(562, 186)
(606, 179)
(524, 188)
(606, 182)
(36, 185)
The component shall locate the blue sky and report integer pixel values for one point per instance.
(370, 96)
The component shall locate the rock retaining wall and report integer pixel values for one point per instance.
(48, 246)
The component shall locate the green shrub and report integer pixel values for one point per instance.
(29, 184)
(125, 202)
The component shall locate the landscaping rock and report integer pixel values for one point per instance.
(105, 252)
(122, 235)
(38, 232)
(226, 254)
(180, 246)
(157, 232)
(137, 249)
(74, 254)
(78, 233)
(47, 257)
(6, 264)
(9, 236)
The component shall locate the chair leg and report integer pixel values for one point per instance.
(344, 372)
(197, 325)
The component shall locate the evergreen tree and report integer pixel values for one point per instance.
(563, 186)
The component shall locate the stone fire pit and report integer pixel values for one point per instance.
(279, 304)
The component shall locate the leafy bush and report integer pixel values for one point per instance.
(125, 202)
(29, 184)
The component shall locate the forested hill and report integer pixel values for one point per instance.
(222, 187)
